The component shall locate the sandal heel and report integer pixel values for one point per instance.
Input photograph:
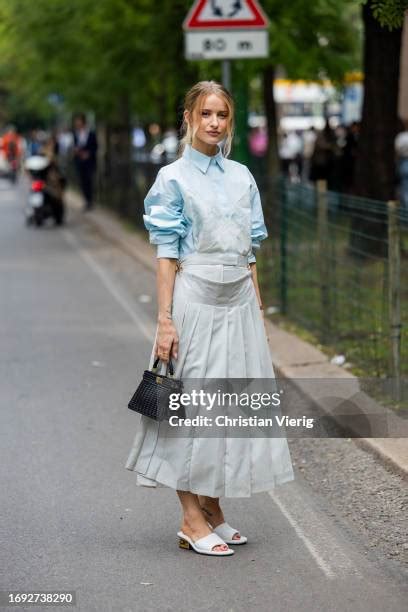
(184, 544)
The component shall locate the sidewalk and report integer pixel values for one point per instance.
(292, 357)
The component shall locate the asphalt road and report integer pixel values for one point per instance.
(77, 318)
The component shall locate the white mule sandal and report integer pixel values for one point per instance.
(204, 545)
(225, 531)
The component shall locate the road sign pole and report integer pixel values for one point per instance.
(214, 31)
(226, 73)
(228, 31)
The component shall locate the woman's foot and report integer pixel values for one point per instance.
(213, 514)
(195, 527)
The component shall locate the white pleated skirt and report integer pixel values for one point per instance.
(221, 335)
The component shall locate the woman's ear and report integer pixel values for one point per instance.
(186, 116)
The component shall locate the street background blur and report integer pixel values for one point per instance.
(91, 104)
(320, 115)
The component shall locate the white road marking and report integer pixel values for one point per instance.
(330, 558)
(141, 321)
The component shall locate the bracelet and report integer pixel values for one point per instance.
(261, 307)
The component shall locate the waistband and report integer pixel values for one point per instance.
(226, 259)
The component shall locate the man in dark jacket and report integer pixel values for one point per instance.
(85, 147)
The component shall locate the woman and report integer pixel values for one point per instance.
(205, 216)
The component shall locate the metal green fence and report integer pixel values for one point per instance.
(334, 264)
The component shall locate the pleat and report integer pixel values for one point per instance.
(218, 356)
(186, 333)
(238, 356)
(207, 360)
(253, 343)
(146, 431)
(215, 342)
(138, 442)
(201, 364)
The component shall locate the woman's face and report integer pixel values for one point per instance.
(211, 120)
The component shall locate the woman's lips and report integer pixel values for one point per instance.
(213, 133)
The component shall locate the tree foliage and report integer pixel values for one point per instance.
(94, 53)
(314, 39)
(98, 53)
(389, 13)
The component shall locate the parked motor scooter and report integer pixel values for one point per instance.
(45, 198)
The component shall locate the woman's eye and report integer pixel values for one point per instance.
(207, 114)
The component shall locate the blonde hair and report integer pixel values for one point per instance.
(193, 101)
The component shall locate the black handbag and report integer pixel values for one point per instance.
(151, 398)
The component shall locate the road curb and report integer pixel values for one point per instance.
(292, 357)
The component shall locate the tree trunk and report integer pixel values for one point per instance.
(375, 164)
(272, 157)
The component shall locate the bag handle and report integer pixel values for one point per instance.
(169, 366)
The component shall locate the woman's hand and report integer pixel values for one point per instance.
(167, 340)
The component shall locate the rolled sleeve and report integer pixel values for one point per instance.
(169, 249)
(251, 258)
(164, 217)
(258, 227)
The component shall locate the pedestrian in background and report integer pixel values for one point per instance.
(401, 150)
(258, 147)
(309, 140)
(349, 157)
(12, 149)
(204, 213)
(33, 143)
(324, 156)
(290, 150)
(85, 148)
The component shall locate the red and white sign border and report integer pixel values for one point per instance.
(191, 22)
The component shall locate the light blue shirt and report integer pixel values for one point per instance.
(202, 203)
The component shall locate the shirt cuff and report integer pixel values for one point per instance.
(251, 258)
(168, 250)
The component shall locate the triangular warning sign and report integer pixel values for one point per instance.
(225, 14)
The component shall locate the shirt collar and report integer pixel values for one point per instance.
(203, 161)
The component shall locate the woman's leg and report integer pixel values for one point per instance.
(210, 507)
(194, 525)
